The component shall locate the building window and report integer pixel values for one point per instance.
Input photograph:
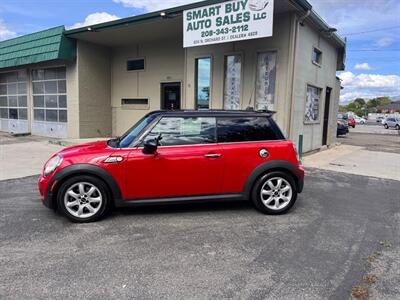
(312, 104)
(135, 64)
(265, 81)
(317, 56)
(233, 80)
(49, 95)
(203, 82)
(135, 101)
(13, 95)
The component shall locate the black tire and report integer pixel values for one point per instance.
(398, 127)
(256, 193)
(102, 190)
(386, 126)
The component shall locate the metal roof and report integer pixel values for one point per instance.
(50, 44)
(392, 106)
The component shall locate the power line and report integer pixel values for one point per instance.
(373, 30)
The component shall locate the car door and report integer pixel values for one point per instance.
(242, 140)
(188, 162)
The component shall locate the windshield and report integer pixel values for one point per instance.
(128, 137)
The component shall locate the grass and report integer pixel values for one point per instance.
(370, 279)
(360, 292)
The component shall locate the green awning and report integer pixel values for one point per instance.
(47, 45)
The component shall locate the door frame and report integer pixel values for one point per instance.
(325, 120)
(162, 83)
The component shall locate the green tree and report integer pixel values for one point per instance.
(360, 103)
(358, 106)
(343, 108)
(362, 107)
(382, 101)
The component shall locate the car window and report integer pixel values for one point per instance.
(127, 138)
(239, 129)
(184, 131)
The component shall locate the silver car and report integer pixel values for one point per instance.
(391, 122)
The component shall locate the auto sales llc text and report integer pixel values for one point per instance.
(229, 13)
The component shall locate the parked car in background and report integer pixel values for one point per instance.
(391, 122)
(359, 120)
(380, 119)
(342, 127)
(344, 117)
(351, 121)
(177, 157)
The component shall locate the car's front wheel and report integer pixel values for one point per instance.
(274, 193)
(386, 126)
(83, 199)
(398, 127)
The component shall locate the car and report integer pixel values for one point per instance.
(360, 121)
(351, 121)
(343, 116)
(342, 127)
(177, 157)
(391, 122)
(380, 119)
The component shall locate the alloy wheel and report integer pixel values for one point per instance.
(276, 193)
(83, 200)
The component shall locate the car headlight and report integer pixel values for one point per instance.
(52, 165)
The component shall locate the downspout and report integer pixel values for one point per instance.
(184, 104)
(298, 22)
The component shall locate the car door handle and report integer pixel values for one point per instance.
(212, 155)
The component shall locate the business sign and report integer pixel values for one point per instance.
(228, 21)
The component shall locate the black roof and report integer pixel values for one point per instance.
(216, 113)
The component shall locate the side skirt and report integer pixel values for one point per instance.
(181, 200)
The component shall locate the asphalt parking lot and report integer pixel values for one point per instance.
(222, 250)
(373, 142)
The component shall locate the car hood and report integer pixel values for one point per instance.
(88, 148)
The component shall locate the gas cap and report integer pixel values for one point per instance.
(264, 153)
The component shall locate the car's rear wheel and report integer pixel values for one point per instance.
(398, 127)
(274, 193)
(83, 199)
(386, 126)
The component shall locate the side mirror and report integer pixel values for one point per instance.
(150, 147)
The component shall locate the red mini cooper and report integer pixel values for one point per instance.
(177, 156)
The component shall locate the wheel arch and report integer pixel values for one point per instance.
(81, 169)
(272, 166)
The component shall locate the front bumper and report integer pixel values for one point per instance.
(45, 191)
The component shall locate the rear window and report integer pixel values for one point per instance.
(242, 129)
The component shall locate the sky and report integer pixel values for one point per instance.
(372, 29)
